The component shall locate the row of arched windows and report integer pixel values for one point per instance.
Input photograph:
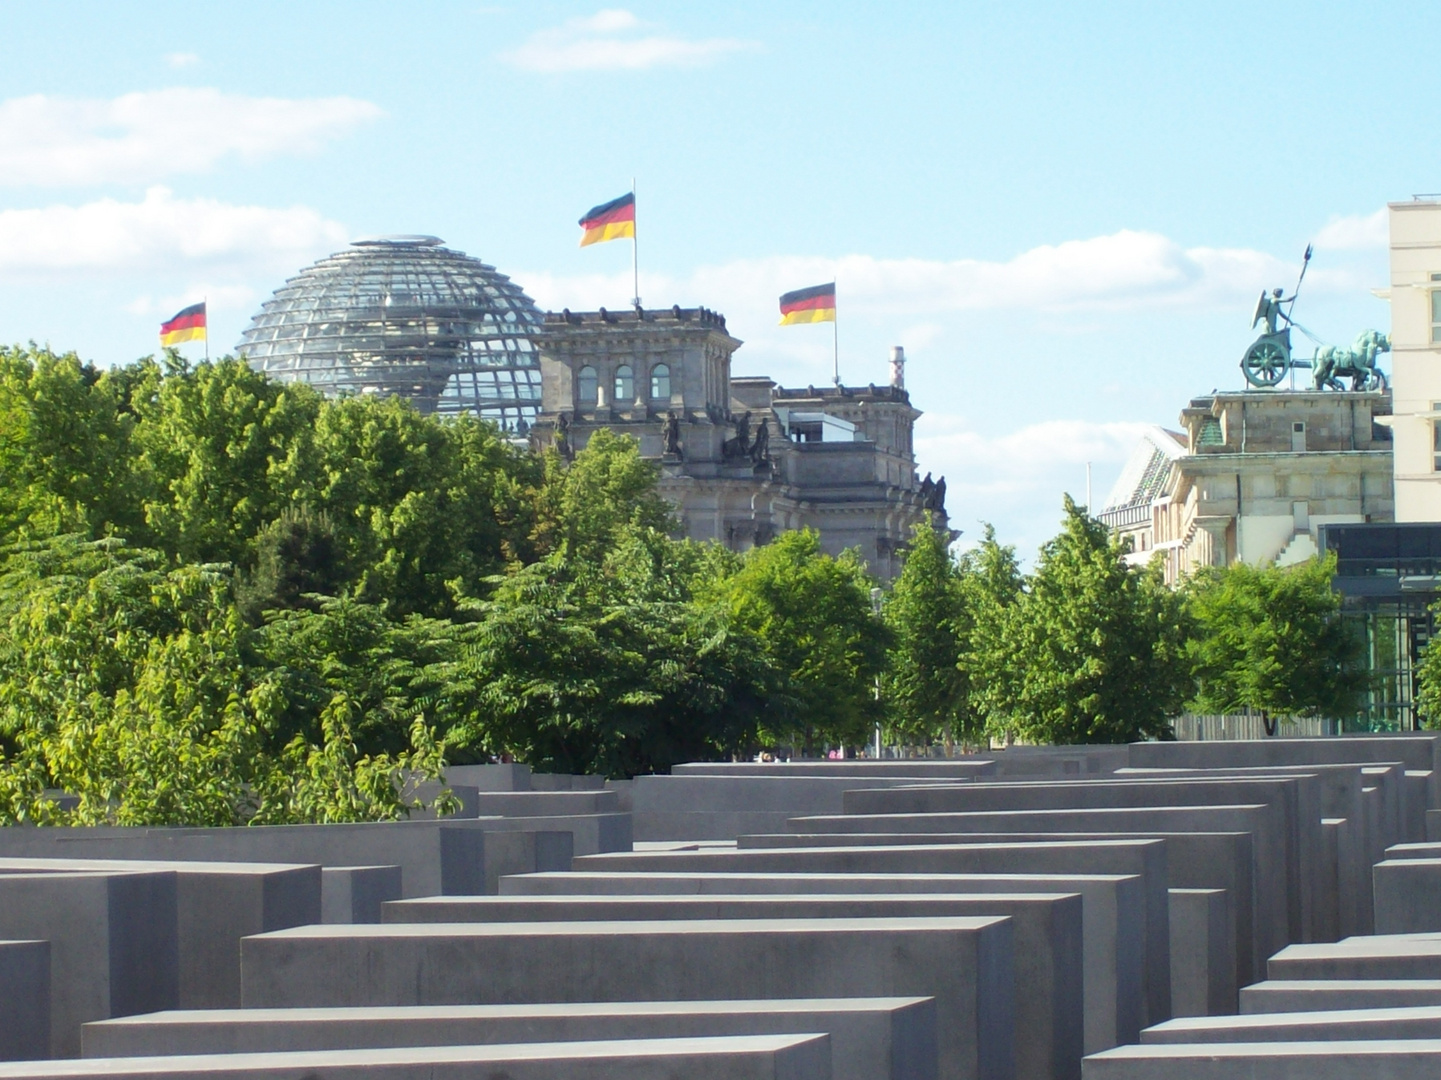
(588, 384)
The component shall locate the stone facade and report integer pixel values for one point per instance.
(1261, 471)
(741, 458)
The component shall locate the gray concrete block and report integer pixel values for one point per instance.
(1197, 858)
(1399, 1059)
(1408, 895)
(1077, 761)
(511, 777)
(591, 834)
(1314, 995)
(1143, 858)
(113, 947)
(24, 1000)
(865, 768)
(1393, 956)
(1203, 962)
(354, 894)
(688, 807)
(215, 905)
(453, 857)
(744, 1057)
(1296, 826)
(871, 1038)
(1433, 827)
(1193, 861)
(1112, 905)
(566, 782)
(1046, 929)
(964, 963)
(1417, 1022)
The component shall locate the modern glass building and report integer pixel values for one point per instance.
(405, 315)
(1388, 575)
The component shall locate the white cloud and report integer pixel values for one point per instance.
(141, 137)
(1123, 271)
(614, 40)
(1355, 233)
(239, 299)
(162, 233)
(182, 59)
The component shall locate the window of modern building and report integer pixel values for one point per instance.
(660, 382)
(587, 384)
(1435, 309)
(1436, 438)
(624, 384)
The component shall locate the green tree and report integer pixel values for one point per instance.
(812, 614)
(991, 583)
(926, 688)
(585, 504)
(1093, 650)
(1271, 639)
(426, 509)
(223, 451)
(132, 685)
(613, 667)
(65, 454)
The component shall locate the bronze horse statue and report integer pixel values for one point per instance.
(1358, 363)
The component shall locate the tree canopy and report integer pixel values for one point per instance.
(227, 600)
(1271, 640)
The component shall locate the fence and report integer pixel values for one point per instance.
(1192, 728)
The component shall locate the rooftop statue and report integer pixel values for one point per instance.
(1269, 358)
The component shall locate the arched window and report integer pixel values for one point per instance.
(660, 382)
(624, 384)
(587, 385)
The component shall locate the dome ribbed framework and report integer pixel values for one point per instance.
(405, 315)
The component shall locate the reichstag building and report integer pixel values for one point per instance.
(741, 457)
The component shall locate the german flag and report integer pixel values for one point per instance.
(614, 220)
(816, 304)
(187, 325)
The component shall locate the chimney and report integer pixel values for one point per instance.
(898, 367)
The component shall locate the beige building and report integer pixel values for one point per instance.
(1253, 475)
(1415, 294)
(742, 458)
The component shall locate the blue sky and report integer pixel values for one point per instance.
(1063, 211)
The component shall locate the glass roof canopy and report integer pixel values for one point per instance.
(405, 315)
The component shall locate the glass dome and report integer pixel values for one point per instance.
(405, 315)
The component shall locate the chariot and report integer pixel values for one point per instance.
(1269, 357)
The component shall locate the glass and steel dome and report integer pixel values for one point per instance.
(405, 315)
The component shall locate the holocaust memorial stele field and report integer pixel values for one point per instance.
(1154, 912)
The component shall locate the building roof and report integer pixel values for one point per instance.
(1143, 478)
(405, 315)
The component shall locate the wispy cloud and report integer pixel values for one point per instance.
(236, 299)
(162, 233)
(1355, 233)
(141, 137)
(615, 40)
(182, 59)
(1119, 272)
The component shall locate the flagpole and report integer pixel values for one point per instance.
(836, 341)
(206, 302)
(635, 248)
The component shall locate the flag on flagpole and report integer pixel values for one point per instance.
(188, 324)
(614, 220)
(813, 305)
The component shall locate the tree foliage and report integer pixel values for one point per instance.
(926, 688)
(1093, 649)
(812, 615)
(1272, 640)
(227, 600)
